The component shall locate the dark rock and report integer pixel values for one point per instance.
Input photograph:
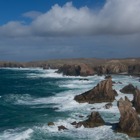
(76, 70)
(128, 89)
(74, 123)
(50, 124)
(113, 82)
(119, 83)
(129, 122)
(62, 128)
(93, 108)
(103, 92)
(94, 120)
(108, 76)
(84, 79)
(108, 105)
(136, 100)
(115, 92)
(134, 69)
(80, 116)
(55, 108)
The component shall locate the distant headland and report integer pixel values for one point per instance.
(83, 66)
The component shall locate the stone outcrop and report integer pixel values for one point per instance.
(134, 69)
(128, 89)
(61, 127)
(136, 100)
(108, 105)
(76, 70)
(103, 92)
(50, 123)
(94, 120)
(111, 67)
(129, 121)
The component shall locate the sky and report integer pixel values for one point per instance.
(54, 29)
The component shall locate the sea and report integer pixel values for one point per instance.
(30, 98)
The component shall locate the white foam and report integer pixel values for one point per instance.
(15, 135)
(20, 68)
(97, 133)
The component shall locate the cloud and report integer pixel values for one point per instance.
(32, 14)
(116, 17)
(14, 29)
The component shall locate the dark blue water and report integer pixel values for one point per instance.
(14, 85)
(30, 98)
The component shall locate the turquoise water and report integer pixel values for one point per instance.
(30, 98)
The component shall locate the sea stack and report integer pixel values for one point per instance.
(129, 122)
(94, 120)
(136, 101)
(103, 92)
(128, 89)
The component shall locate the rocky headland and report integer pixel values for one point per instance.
(84, 66)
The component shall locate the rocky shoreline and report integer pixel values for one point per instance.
(84, 66)
(129, 122)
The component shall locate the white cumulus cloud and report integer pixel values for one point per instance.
(116, 17)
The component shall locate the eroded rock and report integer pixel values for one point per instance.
(128, 89)
(129, 121)
(136, 100)
(108, 105)
(50, 123)
(61, 127)
(94, 120)
(103, 92)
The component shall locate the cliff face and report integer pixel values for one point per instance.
(103, 92)
(84, 67)
(127, 66)
(112, 67)
(76, 70)
(134, 69)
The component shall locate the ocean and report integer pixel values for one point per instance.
(30, 98)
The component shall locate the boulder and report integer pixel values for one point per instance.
(74, 123)
(108, 105)
(94, 120)
(129, 122)
(128, 89)
(103, 92)
(108, 76)
(136, 100)
(61, 127)
(50, 124)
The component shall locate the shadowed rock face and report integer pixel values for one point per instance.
(76, 70)
(111, 67)
(94, 120)
(128, 89)
(134, 69)
(103, 92)
(136, 101)
(129, 121)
